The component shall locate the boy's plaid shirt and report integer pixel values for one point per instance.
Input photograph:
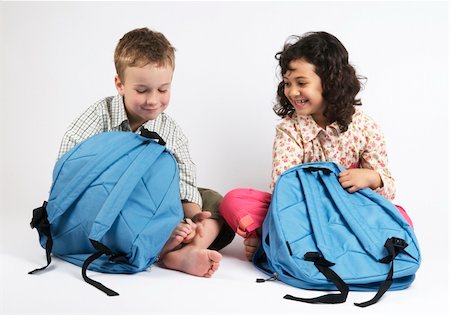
(109, 114)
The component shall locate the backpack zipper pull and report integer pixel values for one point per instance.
(272, 278)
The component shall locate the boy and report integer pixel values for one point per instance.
(145, 62)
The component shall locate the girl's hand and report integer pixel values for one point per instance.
(358, 178)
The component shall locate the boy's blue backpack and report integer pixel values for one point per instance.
(316, 235)
(113, 204)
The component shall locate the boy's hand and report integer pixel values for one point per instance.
(359, 178)
(194, 225)
(190, 227)
(183, 232)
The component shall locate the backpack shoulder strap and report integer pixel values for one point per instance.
(96, 166)
(123, 189)
(314, 203)
(114, 204)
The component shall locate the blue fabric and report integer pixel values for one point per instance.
(119, 189)
(311, 212)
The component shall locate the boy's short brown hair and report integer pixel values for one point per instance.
(141, 47)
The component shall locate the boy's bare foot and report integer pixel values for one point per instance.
(192, 260)
(179, 234)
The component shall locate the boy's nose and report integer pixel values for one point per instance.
(152, 98)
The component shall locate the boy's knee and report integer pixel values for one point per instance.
(211, 201)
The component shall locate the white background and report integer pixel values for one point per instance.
(57, 59)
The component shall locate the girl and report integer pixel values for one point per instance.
(317, 102)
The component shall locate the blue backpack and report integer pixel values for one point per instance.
(113, 204)
(316, 235)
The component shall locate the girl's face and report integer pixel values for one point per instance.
(146, 92)
(303, 89)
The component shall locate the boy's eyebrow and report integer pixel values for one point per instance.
(145, 86)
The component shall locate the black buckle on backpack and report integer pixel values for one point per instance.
(119, 258)
(396, 245)
(317, 259)
(40, 222)
(39, 218)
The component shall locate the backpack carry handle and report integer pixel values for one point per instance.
(152, 135)
(311, 169)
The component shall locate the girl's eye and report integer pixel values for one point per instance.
(141, 91)
(162, 91)
(287, 84)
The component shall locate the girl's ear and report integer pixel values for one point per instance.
(119, 85)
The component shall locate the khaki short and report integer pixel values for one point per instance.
(211, 202)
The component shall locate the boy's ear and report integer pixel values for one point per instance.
(119, 85)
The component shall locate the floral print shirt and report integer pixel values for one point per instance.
(299, 139)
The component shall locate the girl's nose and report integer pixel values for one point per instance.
(293, 92)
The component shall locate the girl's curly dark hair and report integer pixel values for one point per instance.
(340, 84)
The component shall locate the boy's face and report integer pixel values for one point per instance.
(146, 92)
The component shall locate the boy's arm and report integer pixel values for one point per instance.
(86, 125)
(189, 193)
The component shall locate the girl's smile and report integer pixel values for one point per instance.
(303, 89)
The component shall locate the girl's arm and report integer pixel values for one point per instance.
(374, 157)
(287, 150)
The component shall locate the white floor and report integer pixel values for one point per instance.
(232, 290)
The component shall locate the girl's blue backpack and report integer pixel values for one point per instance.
(113, 204)
(316, 235)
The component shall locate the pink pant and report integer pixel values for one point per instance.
(244, 209)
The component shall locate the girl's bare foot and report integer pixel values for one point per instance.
(251, 243)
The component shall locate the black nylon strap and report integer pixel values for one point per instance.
(394, 246)
(94, 283)
(311, 169)
(40, 222)
(323, 266)
(152, 135)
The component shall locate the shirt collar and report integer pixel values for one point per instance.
(118, 114)
(309, 129)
